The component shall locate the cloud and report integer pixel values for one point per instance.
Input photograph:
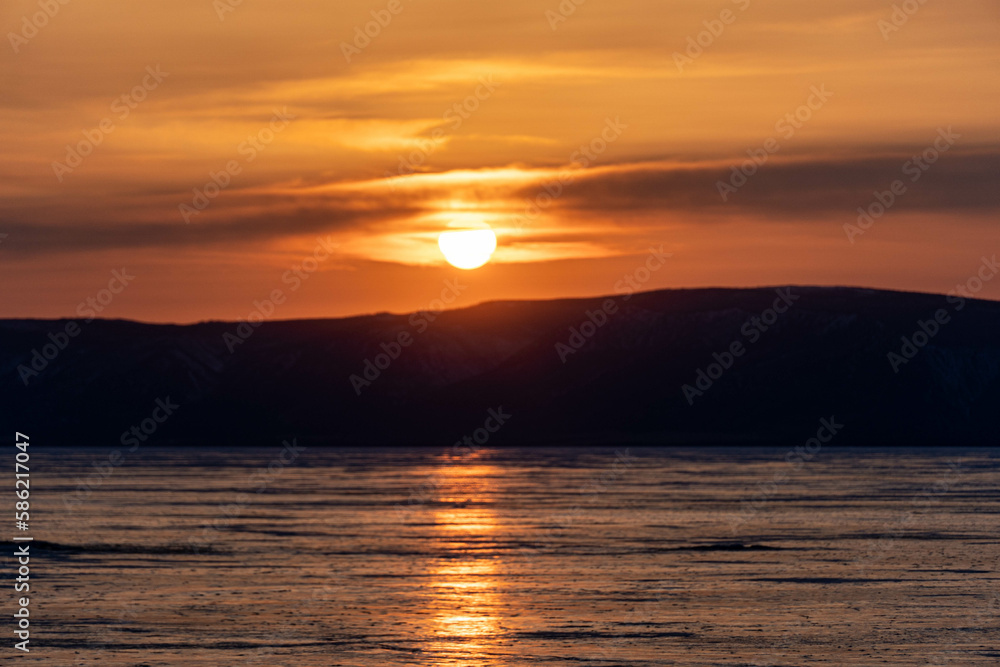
(356, 121)
(625, 195)
(172, 235)
(795, 187)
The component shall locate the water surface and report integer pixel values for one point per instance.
(644, 556)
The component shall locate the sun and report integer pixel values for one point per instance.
(468, 248)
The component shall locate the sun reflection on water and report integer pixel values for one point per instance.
(465, 582)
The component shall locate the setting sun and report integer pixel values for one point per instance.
(469, 248)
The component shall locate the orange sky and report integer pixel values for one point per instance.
(363, 150)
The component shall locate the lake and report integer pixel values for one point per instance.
(306, 556)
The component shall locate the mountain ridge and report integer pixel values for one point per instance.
(641, 369)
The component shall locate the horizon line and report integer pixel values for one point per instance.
(497, 301)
